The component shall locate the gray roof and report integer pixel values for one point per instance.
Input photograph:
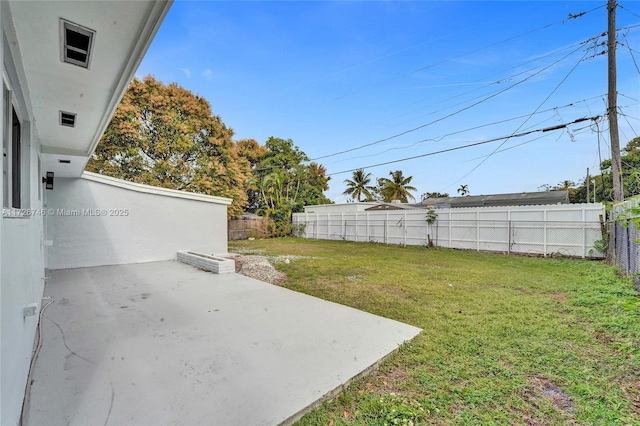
(515, 199)
(393, 206)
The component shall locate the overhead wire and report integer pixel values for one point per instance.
(513, 135)
(424, 68)
(626, 118)
(633, 58)
(440, 138)
(627, 10)
(451, 114)
(489, 84)
(531, 115)
(515, 146)
(628, 97)
(580, 44)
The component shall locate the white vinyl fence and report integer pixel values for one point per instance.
(564, 229)
(626, 238)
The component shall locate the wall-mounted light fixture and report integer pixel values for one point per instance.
(48, 181)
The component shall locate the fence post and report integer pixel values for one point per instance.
(629, 248)
(405, 227)
(449, 228)
(343, 227)
(478, 230)
(367, 224)
(509, 238)
(584, 235)
(386, 222)
(328, 226)
(544, 230)
(355, 223)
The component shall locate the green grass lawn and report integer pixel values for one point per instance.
(507, 340)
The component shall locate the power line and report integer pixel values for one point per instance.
(451, 114)
(515, 146)
(547, 129)
(633, 58)
(440, 138)
(628, 97)
(424, 68)
(499, 81)
(480, 80)
(531, 115)
(628, 11)
(520, 65)
(627, 120)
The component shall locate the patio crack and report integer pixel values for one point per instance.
(64, 342)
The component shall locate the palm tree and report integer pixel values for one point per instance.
(463, 190)
(565, 184)
(396, 188)
(359, 186)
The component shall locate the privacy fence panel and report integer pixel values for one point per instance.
(567, 229)
(241, 229)
(626, 239)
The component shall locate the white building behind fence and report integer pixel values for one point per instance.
(563, 229)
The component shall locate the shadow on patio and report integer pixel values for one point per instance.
(164, 343)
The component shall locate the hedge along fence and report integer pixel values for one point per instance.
(565, 229)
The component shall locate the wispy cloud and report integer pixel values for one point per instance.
(208, 74)
(186, 72)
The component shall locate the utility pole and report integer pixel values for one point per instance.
(616, 164)
(587, 182)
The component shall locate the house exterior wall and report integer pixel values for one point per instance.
(141, 224)
(21, 252)
(36, 85)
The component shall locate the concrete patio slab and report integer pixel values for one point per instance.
(164, 343)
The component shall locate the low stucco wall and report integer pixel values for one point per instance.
(96, 220)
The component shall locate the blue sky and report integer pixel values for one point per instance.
(410, 78)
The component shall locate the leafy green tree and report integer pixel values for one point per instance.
(564, 185)
(251, 151)
(359, 185)
(396, 188)
(166, 136)
(316, 182)
(284, 183)
(630, 160)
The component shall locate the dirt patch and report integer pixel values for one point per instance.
(604, 338)
(558, 296)
(543, 388)
(259, 268)
(390, 381)
(632, 391)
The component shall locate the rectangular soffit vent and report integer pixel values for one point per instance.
(77, 44)
(67, 119)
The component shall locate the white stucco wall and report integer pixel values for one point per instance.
(21, 251)
(142, 223)
(27, 73)
(22, 284)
